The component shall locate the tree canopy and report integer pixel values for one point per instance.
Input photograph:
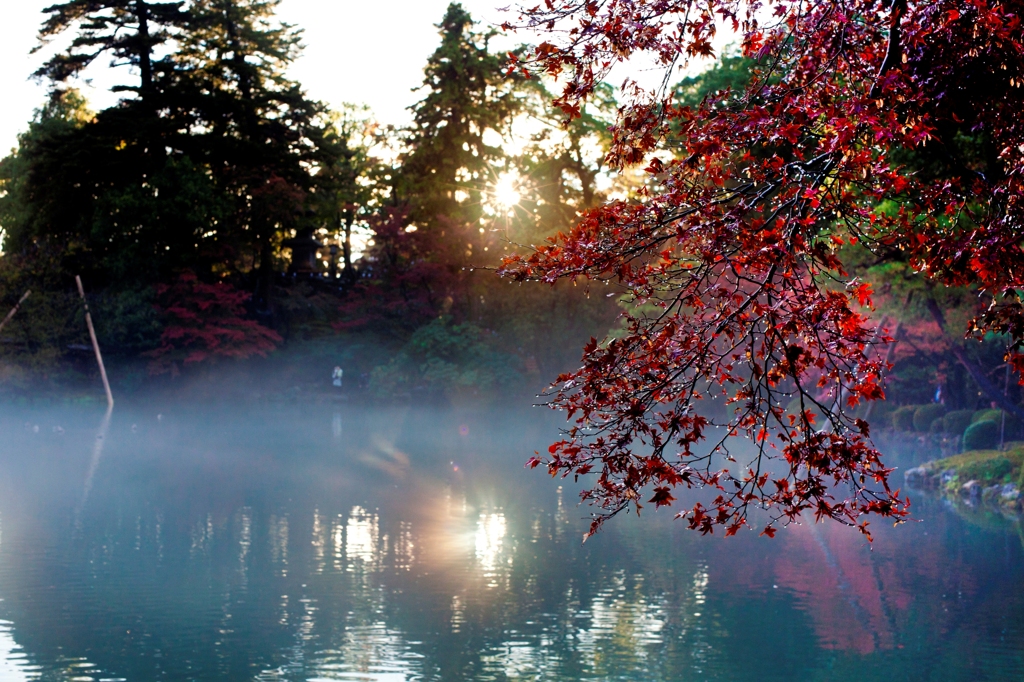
(215, 173)
(868, 132)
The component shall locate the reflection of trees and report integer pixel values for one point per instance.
(232, 563)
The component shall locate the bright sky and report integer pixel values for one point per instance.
(356, 51)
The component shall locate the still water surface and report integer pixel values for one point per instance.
(346, 544)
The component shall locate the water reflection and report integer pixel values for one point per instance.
(97, 454)
(14, 665)
(240, 549)
(490, 539)
(362, 538)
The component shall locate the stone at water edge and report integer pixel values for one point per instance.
(918, 477)
(992, 491)
(971, 489)
(1010, 492)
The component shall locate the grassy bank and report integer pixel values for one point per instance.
(991, 476)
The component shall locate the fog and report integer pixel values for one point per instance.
(215, 541)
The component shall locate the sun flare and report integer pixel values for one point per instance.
(506, 193)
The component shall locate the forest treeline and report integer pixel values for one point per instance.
(216, 212)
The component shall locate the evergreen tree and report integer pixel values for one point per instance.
(115, 192)
(263, 138)
(454, 146)
(206, 169)
(128, 30)
(350, 184)
(560, 165)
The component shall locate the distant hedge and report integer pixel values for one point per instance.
(1013, 425)
(926, 414)
(903, 418)
(957, 421)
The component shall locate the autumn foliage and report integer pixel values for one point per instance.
(891, 128)
(205, 322)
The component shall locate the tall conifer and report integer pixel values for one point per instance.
(129, 31)
(469, 103)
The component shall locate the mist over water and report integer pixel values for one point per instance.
(215, 542)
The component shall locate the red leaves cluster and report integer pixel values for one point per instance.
(734, 256)
(205, 322)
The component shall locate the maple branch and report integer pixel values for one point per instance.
(894, 51)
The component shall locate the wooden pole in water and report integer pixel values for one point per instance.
(15, 309)
(95, 343)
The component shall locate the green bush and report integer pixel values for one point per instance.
(903, 418)
(447, 358)
(883, 409)
(957, 421)
(986, 415)
(983, 435)
(1013, 425)
(926, 414)
(392, 379)
(937, 426)
(127, 322)
(35, 341)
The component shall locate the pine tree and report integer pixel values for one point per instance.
(207, 168)
(128, 30)
(262, 138)
(560, 166)
(469, 103)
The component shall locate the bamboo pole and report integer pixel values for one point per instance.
(15, 309)
(95, 343)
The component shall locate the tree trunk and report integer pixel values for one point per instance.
(347, 273)
(145, 49)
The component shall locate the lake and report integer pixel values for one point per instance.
(213, 542)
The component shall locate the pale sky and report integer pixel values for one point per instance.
(357, 51)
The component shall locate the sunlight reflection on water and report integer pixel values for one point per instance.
(295, 554)
(14, 665)
(490, 539)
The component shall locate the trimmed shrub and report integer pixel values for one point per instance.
(903, 418)
(986, 415)
(937, 426)
(983, 435)
(957, 421)
(926, 414)
(1013, 425)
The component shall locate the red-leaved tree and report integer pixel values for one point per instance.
(206, 322)
(408, 276)
(890, 126)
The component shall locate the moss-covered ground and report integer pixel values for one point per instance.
(995, 476)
